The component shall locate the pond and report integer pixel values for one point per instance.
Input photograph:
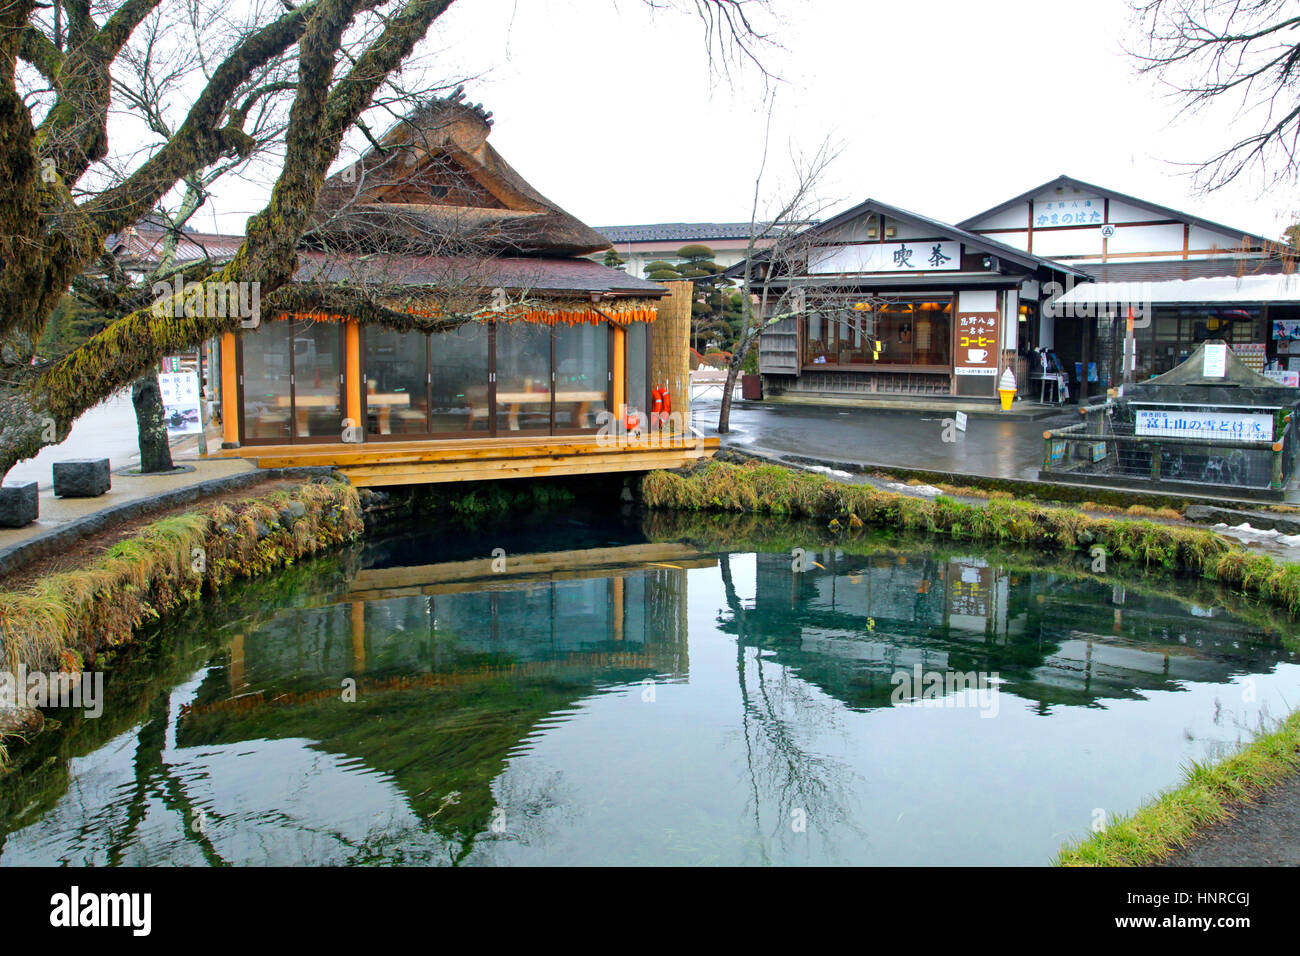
(650, 690)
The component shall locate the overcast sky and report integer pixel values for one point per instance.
(944, 107)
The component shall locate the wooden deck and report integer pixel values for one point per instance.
(374, 464)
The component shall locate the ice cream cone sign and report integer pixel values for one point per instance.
(1007, 389)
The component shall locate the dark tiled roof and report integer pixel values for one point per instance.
(541, 275)
(677, 231)
(143, 244)
(935, 228)
(1182, 269)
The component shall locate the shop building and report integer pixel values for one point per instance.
(1053, 274)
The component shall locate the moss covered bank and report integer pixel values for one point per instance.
(66, 621)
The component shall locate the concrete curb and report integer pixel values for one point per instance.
(17, 556)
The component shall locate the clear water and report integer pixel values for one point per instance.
(668, 694)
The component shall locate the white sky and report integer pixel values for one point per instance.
(945, 107)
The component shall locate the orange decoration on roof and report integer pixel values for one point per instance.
(584, 316)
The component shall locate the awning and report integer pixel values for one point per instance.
(1233, 289)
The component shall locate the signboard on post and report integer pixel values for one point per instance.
(1207, 423)
(976, 350)
(180, 398)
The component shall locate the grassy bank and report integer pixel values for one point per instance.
(1207, 796)
(764, 489)
(64, 621)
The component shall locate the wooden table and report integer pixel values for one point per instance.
(583, 400)
(302, 404)
(386, 401)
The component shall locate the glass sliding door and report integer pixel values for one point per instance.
(397, 383)
(637, 363)
(317, 381)
(267, 396)
(459, 370)
(581, 376)
(523, 366)
(291, 382)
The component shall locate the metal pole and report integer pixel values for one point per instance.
(1130, 348)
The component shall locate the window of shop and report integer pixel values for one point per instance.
(291, 382)
(843, 332)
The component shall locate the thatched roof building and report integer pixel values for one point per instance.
(434, 180)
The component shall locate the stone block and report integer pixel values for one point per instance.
(19, 505)
(81, 478)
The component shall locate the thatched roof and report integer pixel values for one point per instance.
(435, 186)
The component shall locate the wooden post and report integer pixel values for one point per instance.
(230, 409)
(352, 376)
(616, 599)
(670, 364)
(235, 674)
(618, 394)
(357, 627)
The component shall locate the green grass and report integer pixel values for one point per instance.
(1207, 796)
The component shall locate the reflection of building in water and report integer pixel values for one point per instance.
(546, 621)
(851, 622)
(435, 654)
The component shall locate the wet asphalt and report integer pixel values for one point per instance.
(993, 447)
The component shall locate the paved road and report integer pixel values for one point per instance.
(992, 447)
(105, 431)
(1264, 833)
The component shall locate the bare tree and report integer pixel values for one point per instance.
(1242, 54)
(327, 63)
(778, 246)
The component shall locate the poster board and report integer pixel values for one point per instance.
(180, 398)
(1214, 360)
(976, 348)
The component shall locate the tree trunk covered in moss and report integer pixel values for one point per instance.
(47, 238)
(155, 450)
